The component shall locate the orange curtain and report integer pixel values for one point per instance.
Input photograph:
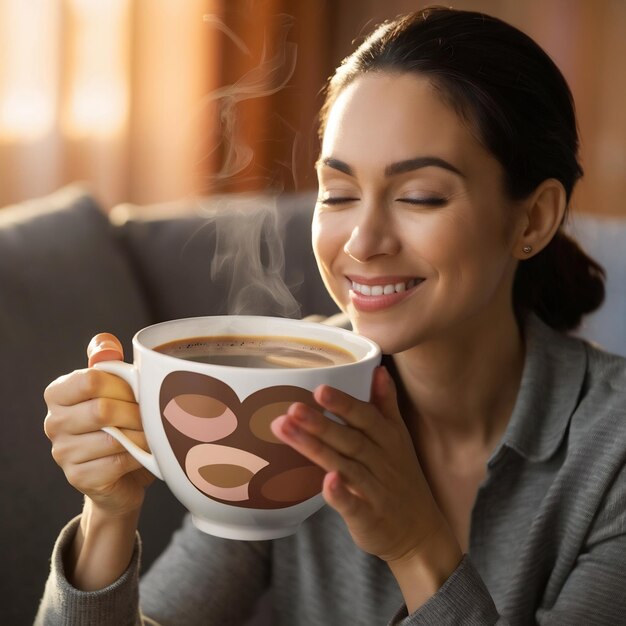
(151, 101)
(101, 92)
(156, 101)
(276, 59)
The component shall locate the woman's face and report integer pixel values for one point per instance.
(413, 233)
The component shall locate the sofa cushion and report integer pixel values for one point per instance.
(604, 238)
(242, 254)
(62, 279)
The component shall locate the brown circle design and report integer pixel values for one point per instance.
(248, 467)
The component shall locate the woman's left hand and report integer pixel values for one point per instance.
(374, 479)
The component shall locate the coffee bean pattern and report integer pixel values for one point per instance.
(226, 446)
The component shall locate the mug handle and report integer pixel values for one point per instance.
(129, 373)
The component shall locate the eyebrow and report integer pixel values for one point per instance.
(401, 167)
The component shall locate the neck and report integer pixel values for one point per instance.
(461, 390)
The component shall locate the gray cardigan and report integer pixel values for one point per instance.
(547, 541)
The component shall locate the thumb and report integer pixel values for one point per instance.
(104, 347)
(384, 394)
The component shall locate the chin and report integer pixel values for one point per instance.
(389, 343)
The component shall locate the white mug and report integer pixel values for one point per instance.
(207, 425)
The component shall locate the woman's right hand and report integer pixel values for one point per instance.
(79, 405)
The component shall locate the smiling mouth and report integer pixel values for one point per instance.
(385, 289)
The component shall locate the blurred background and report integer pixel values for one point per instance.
(156, 100)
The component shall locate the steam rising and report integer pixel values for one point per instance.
(249, 246)
(249, 257)
(267, 78)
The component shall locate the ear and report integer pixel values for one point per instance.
(542, 214)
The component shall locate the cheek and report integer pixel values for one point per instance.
(320, 238)
(471, 257)
(328, 240)
(462, 243)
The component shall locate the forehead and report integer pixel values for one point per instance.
(393, 117)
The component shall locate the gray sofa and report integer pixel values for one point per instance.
(68, 271)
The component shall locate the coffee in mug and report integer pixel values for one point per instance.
(208, 389)
(257, 351)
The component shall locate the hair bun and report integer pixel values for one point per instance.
(560, 284)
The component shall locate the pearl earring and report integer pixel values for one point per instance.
(527, 249)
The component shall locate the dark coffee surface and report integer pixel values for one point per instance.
(257, 351)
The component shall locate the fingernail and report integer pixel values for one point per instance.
(106, 344)
(326, 394)
(107, 351)
(277, 423)
(335, 483)
(102, 346)
(291, 430)
(303, 413)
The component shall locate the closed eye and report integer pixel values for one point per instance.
(336, 200)
(433, 201)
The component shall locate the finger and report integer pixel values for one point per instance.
(384, 394)
(98, 476)
(349, 442)
(73, 449)
(359, 414)
(93, 415)
(87, 384)
(337, 494)
(356, 474)
(104, 347)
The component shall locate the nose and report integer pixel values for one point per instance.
(372, 236)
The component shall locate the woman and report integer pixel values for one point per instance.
(490, 487)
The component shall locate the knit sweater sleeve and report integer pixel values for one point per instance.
(462, 599)
(64, 605)
(198, 579)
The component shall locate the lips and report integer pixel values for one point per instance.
(369, 294)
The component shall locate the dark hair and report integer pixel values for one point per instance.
(519, 104)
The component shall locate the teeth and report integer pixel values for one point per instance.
(379, 290)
